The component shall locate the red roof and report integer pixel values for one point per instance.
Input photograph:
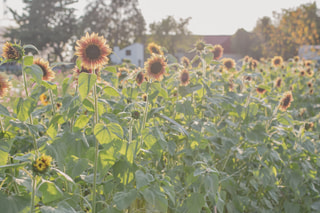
(223, 40)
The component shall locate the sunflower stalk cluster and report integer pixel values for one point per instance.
(200, 134)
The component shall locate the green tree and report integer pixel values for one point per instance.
(120, 21)
(47, 24)
(171, 34)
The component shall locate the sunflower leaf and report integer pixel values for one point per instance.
(86, 82)
(35, 71)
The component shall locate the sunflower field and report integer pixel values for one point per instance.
(207, 134)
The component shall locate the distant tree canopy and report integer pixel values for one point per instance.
(171, 34)
(120, 21)
(291, 29)
(45, 23)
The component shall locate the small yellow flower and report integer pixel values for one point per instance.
(277, 61)
(42, 164)
(154, 48)
(12, 51)
(44, 99)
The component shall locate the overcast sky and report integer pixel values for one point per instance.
(209, 17)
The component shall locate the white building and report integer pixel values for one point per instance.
(133, 52)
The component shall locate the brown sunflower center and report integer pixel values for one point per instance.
(228, 64)
(260, 90)
(44, 70)
(139, 78)
(155, 50)
(13, 53)
(93, 52)
(277, 61)
(156, 68)
(278, 82)
(184, 77)
(286, 101)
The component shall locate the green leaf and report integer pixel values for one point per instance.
(67, 177)
(142, 179)
(195, 203)
(156, 198)
(65, 85)
(185, 90)
(30, 46)
(14, 203)
(35, 71)
(111, 91)
(25, 107)
(124, 199)
(15, 165)
(106, 133)
(175, 123)
(27, 60)
(50, 192)
(88, 105)
(86, 82)
(50, 86)
(4, 111)
(81, 122)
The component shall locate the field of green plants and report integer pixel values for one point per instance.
(208, 134)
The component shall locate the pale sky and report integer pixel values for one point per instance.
(209, 17)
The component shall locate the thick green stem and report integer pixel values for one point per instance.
(52, 102)
(34, 184)
(30, 116)
(95, 121)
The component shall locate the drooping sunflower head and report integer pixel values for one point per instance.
(200, 45)
(253, 64)
(247, 59)
(93, 51)
(153, 48)
(217, 51)
(229, 63)
(286, 100)
(155, 67)
(135, 114)
(260, 90)
(47, 72)
(140, 78)
(278, 82)
(5, 85)
(12, 51)
(184, 77)
(309, 72)
(41, 164)
(122, 73)
(185, 62)
(44, 99)
(277, 61)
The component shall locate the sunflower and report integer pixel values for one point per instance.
(5, 85)
(44, 99)
(309, 84)
(286, 100)
(308, 63)
(144, 97)
(135, 114)
(12, 51)
(247, 58)
(217, 51)
(302, 73)
(296, 58)
(42, 164)
(184, 77)
(58, 105)
(200, 45)
(278, 82)
(229, 63)
(277, 61)
(140, 78)
(309, 72)
(154, 49)
(311, 91)
(253, 64)
(155, 67)
(308, 126)
(47, 72)
(185, 62)
(93, 51)
(261, 90)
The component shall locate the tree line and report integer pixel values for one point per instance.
(52, 26)
(282, 35)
